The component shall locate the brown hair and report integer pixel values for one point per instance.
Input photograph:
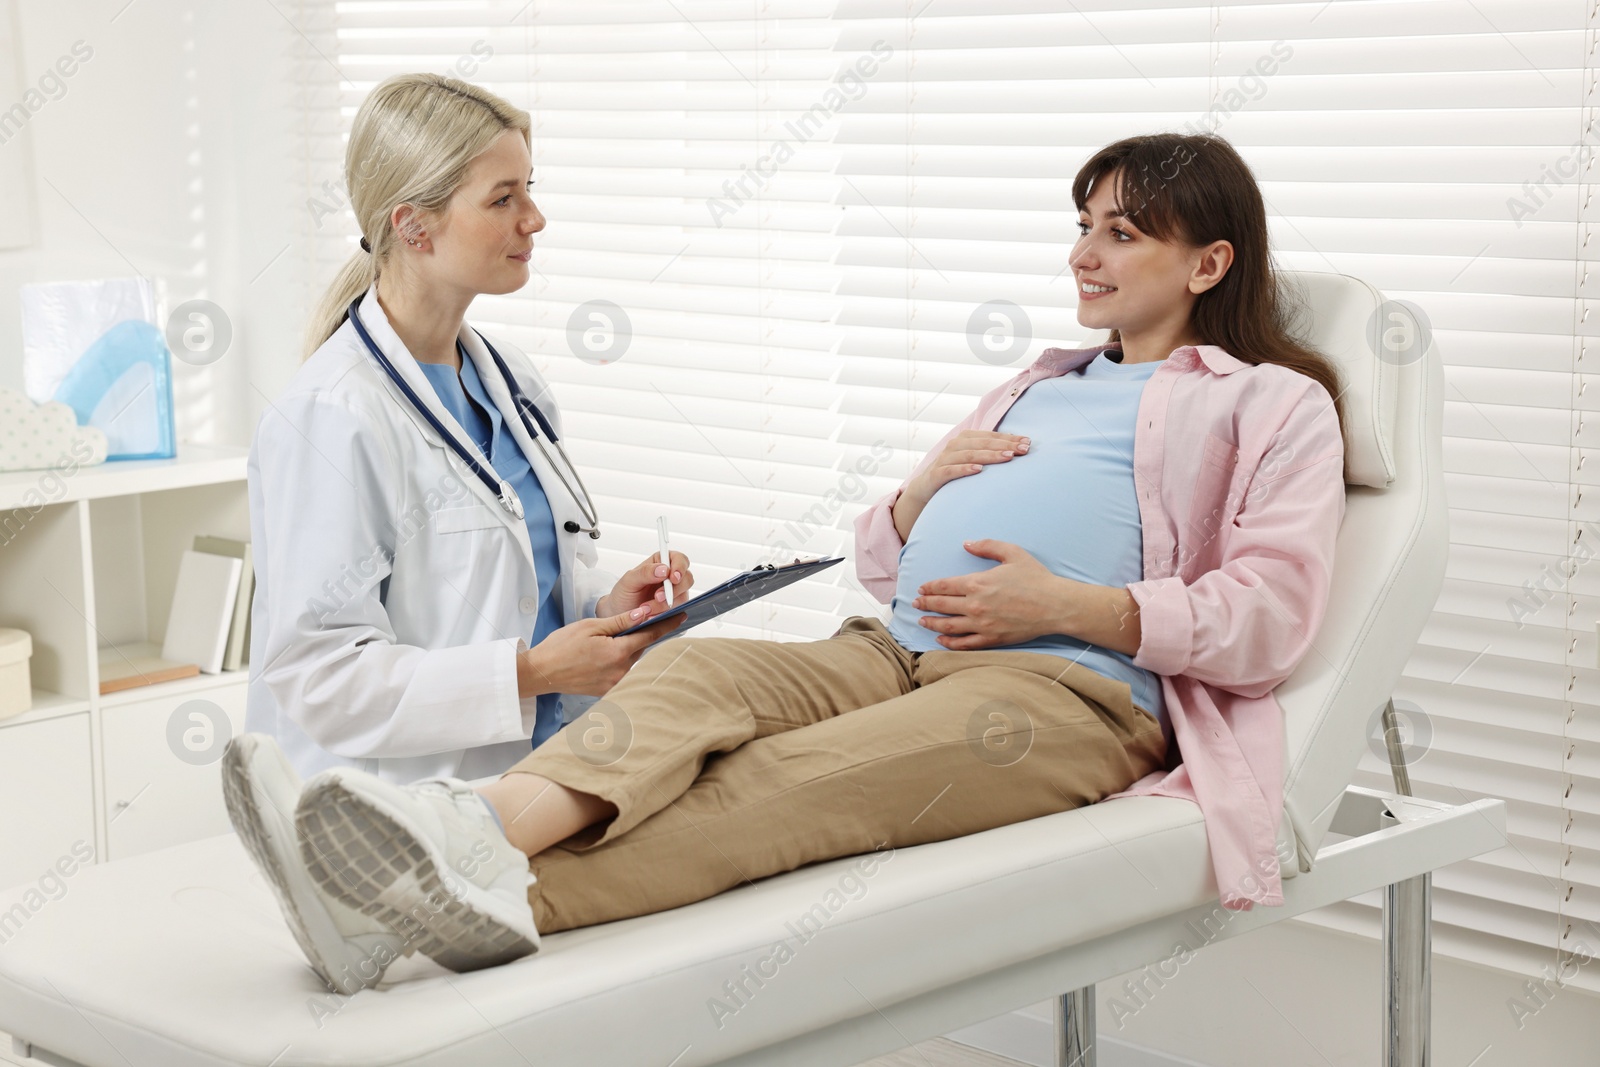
(1195, 189)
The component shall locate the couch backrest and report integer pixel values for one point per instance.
(1390, 560)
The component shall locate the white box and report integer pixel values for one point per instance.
(16, 686)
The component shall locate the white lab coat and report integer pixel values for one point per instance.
(393, 591)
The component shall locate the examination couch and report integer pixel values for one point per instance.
(179, 958)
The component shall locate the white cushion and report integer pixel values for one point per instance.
(1349, 315)
(181, 958)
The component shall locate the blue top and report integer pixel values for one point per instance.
(482, 421)
(1069, 501)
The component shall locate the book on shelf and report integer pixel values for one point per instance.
(208, 626)
(238, 649)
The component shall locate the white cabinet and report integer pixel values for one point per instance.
(162, 758)
(88, 559)
(46, 796)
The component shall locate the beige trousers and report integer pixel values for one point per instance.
(732, 760)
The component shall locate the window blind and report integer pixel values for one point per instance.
(1424, 146)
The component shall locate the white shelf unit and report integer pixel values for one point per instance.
(89, 561)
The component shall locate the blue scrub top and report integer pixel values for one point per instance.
(477, 415)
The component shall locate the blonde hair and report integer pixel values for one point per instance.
(411, 143)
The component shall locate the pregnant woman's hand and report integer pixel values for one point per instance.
(1005, 605)
(585, 657)
(964, 454)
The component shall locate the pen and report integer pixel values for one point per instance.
(661, 532)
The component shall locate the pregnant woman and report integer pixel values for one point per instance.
(1097, 579)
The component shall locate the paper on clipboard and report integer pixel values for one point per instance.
(736, 592)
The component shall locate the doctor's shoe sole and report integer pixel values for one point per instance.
(349, 952)
(374, 856)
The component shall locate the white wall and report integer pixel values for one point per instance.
(170, 154)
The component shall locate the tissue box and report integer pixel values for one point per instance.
(16, 688)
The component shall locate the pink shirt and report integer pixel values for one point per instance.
(1241, 496)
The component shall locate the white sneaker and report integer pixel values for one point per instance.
(348, 950)
(428, 859)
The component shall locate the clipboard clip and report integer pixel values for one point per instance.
(785, 566)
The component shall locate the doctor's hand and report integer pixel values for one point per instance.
(642, 585)
(586, 657)
(1005, 605)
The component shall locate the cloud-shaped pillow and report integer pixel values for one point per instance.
(35, 436)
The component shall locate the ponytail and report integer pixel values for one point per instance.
(354, 278)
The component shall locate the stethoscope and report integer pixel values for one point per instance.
(525, 407)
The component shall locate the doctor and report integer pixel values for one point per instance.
(424, 550)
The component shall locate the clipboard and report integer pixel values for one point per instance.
(736, 592)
